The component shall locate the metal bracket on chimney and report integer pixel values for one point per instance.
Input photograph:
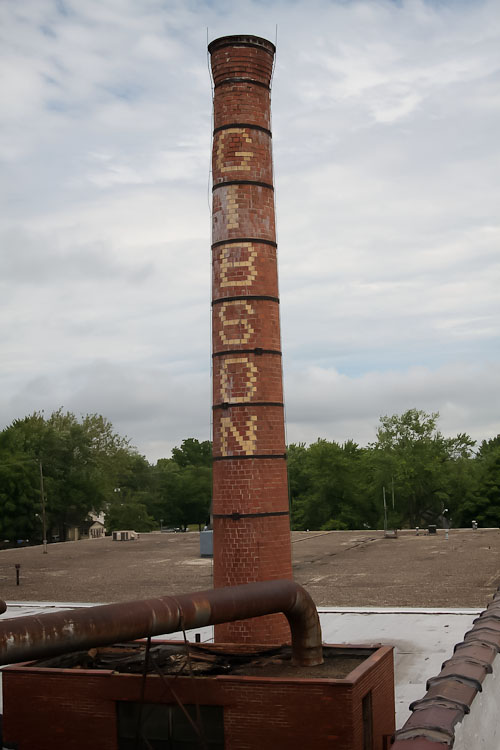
(236, 516)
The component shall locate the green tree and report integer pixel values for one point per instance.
(82, 461)
(132, 499)
(193, 453)
(298, 476)
(20, 508)
(482, 501)
(413, 456)
(128, 513)
(325, 486)
(183, 493)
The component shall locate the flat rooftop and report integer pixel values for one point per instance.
(338, 568)
(419, 594)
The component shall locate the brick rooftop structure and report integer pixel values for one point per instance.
(250, 489)
(238, 712)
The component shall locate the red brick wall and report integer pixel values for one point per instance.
(75, 709)
(382, 700)
(52, 709)
(250, 477)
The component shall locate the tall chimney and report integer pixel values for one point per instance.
(250, 489)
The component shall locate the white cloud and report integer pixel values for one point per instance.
(385, 117)
(325, 403)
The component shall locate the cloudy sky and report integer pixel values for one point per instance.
(386, 120)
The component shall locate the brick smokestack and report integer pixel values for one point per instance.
(250, 490)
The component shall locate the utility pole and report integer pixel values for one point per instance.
(385, 510)
(44, 522)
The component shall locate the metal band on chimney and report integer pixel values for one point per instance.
(243, 182)
(236, 240)
(248, 403)
(235, 516)
(237, 79)
(245, 297)
(257, 351)
(249, 125)
(253, 456)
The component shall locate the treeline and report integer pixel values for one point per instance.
(85, 466)
(425, 478)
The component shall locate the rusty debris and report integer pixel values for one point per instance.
(205, 660)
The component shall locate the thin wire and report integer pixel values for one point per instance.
(199, 722)
(168, 685)
(285, 420)
(211, 130)
(274, 58)
(209, 193)
(138, 730)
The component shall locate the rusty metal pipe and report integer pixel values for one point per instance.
(35, 637)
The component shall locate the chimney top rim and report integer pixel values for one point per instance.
(242, 40)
